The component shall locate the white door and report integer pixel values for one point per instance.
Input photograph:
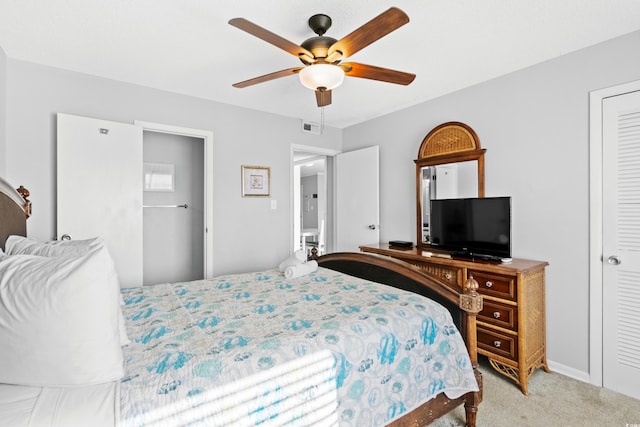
(357, 199)
(446, 177)
(99, 188)
(621, 243)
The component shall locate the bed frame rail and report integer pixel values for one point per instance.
(463, 306)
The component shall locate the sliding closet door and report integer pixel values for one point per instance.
(621, 243)
(99, 188)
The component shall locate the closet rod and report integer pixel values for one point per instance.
(166, 206)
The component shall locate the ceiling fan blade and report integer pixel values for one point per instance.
(373, 30)
(272, 38)
(267, 77)
(354, 69)
(323, 98)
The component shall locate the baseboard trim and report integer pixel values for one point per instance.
(570, 372)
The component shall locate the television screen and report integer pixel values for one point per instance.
(473, 227)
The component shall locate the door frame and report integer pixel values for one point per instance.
(292, 196)
(207, 137)
(596, 142)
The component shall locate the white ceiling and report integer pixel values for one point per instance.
(188, 47)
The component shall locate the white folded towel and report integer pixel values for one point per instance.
(299, 270)
(298, 257)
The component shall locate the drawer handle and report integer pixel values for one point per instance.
(496, 314)
(448, 276)
(488, 284)
(497, 344)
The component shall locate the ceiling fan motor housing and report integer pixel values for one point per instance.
(319, 46)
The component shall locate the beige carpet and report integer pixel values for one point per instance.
(553, 400)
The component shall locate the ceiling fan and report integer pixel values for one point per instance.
(322, 55)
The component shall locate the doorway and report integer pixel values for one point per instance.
(312, 198)
(614, 146)
(201, 155)
(172, 207)
(95, 154)
(310, 208)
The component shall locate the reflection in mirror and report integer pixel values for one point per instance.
(447, 181)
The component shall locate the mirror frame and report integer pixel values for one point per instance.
(450, 142)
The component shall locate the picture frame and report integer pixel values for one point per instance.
(256, 181)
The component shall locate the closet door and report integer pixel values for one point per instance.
(621, 243)
(99, 188)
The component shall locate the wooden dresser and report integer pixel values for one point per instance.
(512, 324)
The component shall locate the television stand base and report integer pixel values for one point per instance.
(483, 257)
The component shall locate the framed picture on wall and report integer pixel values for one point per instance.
(256, 181)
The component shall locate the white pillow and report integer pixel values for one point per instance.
(58, 320)
(18, 245)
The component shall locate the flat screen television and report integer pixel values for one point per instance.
(472, 227)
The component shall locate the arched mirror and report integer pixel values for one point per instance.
(450, 164)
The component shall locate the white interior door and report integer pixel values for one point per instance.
(99, 188)
(446, 177)
(621, 243)
(357, 199)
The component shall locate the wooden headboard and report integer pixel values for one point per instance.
(15, 208)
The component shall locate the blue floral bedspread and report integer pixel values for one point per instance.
(390, 350)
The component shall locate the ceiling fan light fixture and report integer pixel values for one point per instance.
(326, 76)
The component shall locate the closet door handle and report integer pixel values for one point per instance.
(614, 260)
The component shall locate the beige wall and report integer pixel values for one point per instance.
(248, 234)
(534, 125)
(3, 111)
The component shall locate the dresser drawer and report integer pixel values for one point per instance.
(495, 285)
(498, 343)
(451, 275)
(503, 315)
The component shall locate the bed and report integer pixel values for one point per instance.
(353, 342)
